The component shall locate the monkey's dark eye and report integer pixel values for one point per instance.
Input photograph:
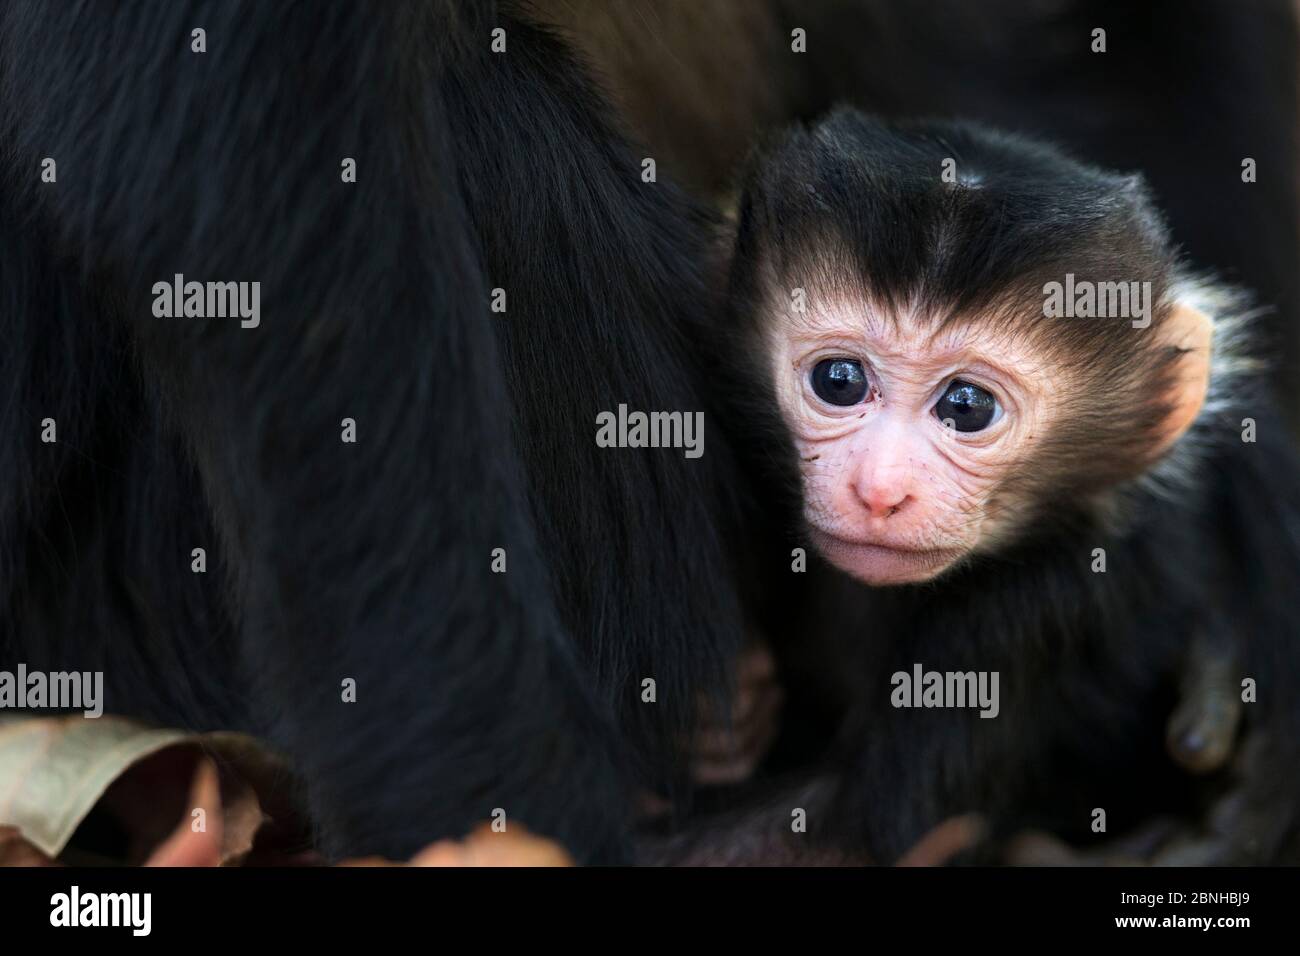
(839, 381)
(969, 407)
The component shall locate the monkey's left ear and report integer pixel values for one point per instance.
(1189, 329)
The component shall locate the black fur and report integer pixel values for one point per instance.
(371, 561)
(476, 431)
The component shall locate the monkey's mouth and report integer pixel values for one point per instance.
(875, 563)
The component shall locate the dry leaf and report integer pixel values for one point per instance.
(55, 771)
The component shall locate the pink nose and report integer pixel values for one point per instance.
(882, 500)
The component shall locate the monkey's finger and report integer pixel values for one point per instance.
(752, 709)
(756, 663)
(1035, 848)
(1203, 727)
(763, 712)
(1217, 845)
(1238, 829)
(515, 846)
(1211, 851)
(188, 846)
(1201, 733)
(733, 758)
(717, 709)
(742, 734)
(945, 841)
(753, 694)
(727, 757)
(754, 687)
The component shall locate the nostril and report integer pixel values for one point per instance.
(882, 491)
(884, 506)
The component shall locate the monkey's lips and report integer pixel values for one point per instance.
(878, 563)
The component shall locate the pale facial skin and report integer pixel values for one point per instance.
(892, 494)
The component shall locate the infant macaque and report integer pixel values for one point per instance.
(1017, 417)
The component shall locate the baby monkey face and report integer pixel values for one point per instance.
(905, 434)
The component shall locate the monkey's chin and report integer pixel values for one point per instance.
(880, 565)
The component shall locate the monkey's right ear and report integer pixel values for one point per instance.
(1192, 331)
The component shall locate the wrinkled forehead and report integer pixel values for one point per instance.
(914, 332)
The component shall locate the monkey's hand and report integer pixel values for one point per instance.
(727, 747)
